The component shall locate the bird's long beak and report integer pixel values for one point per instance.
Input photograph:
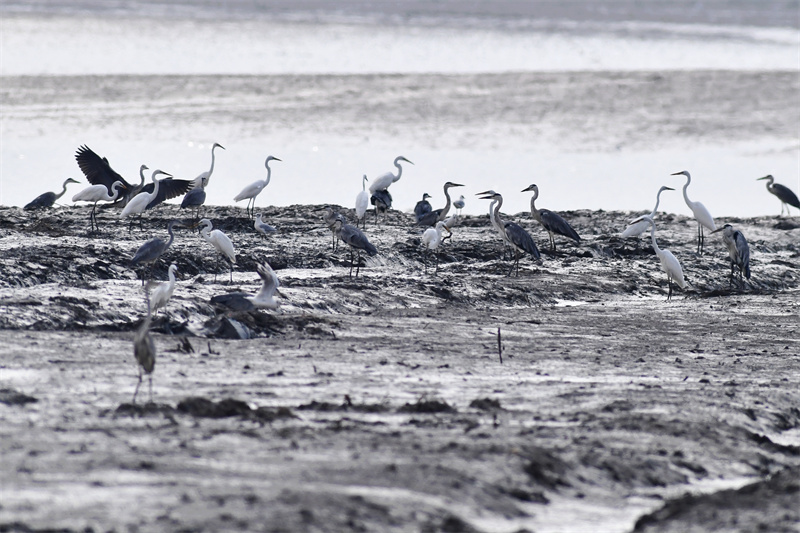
(677, 173)
(528, 188)
(668, 189)
(456, 185)
(718, 230)
(485, 192)
(764, 178)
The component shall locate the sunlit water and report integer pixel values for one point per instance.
(143, 42)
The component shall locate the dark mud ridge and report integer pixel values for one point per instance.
(572, 397)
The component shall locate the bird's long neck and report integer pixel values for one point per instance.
(653, 237)
(141, 177)
(399, 171)
(686, 186)
(497, 211)
(172, 279)
(269, 174)
(211, 169)
(155, 186)
(115, 191)
(447, 204)
(534, 211)
(171, 237)
(364, 184)
(658, 199)
(63, 190)
(205, 231)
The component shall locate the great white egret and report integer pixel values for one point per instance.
(221, 243)
(738, 250)
(437, 215)
(162, 292)
(47, 199)
(701, 214)
(519, 239)
(139, 203)
(423, 207)
(636, 230)
(551, 221)
(784, 193)
(149, 252)
(669, 263)
(382, 183)
(250, 192)
(94, 194)
(203, 178)
(362, 202)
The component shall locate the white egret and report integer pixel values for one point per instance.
(701, 214)
(636, 230)
(250, 192)
(264, 299)
(784, 193)
(162, 292)
(203, 178)
(47, 199)
(437, 215)
(551, 221)
(382, 183)
(221, 243)
(362, 202)
(432, 238)
(138, 203)
(519, 239)
(738, 250)
(97, 193)
(669, 263)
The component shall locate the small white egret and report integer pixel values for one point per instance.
(250, 192)
(162, 292)
(669, 262)
(784, 193)
(432, 238)
(437, 215)
(701, 214)
(519, 239)
(47, 199)
(738, 250)
(362, 202)
(551, 221)
(221, 243)
(97, 193)
(636, 230)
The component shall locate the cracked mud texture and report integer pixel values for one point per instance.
(380, 403)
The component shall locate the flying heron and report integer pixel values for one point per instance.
(701, 214)
(784, 193)
(551, 221)
(254, 189)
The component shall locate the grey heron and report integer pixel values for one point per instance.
(144, 350)
(221, 243)
(423, 207)
(355, 238)
(701, 214)
(99, 172)
(47, 199)
(669, 263)
(162, 292)
(94, 194)
(784, 193)
(150, 251)
(636, 230)
(551, 221)
(432, 238)
(138, 204)
(194, 199)
(437, 215)
(498, 226)
(459, 204)
(330, 219)
(519, 239)
(262, 227)
(738, 250)
(250, 192)
(362, 202)
(264, 299)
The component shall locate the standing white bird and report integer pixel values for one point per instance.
(636, 230)
(701, 214)
(97, 193)
(163, 291)
(669, 262)
(139, 203)
(221, 243)
(432, 239)
(254, 189)
(203, 178)
(362, 202)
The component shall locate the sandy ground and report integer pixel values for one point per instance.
(381, 403)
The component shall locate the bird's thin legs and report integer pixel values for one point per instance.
(358, 264)
(351, 263)
(700, 238)
(669, 294)
(136, 391)
(151, 388)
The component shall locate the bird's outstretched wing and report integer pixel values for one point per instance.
(269, 280)
(97, 170)
(233, 301)
(167, 189)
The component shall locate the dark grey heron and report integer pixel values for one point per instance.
(94, 194)
(438, 215)
(459, 204)
(194, 199)
(551, 221)
(99, 172)
(362, 203)
(204, 177)
(355, 238)
(262, 227)
(636, 230)
(243, 302)
(669, 262)
(47, 199)
(432, 238)
(519, 239)
(784, 193)
(701, 214)
(330, 219)
(149, 252)
(144, 350)
(250, 192)
(738, 250)
(498, 226)
(221, 243)
(423, 207)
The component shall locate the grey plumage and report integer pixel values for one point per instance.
(438, 215)
(47, 199)
(784, 193)
(738, 250)
(551, 221)
(150, 251)
(423, 207)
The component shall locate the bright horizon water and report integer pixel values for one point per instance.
(39, 43)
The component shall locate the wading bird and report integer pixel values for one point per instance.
(519, 239)
(254, 189)
(330, 219)
(149, 252)
(701, 214)
(431, 239)
(221, 243)
(138, 203)
(362, 203)
(203, 178)
(669, 262)
(636, 230)
(353, 237)
(423, 207)
(97, 193)
(262, 227)
(438, 215)
(379, 195)
(47, 199)
(382, 200)
(738, 250)
(551, 221)
(264, 299)
(194, 199)
(162, 292)
(784, 193)
(144, 350)
(498, 226)
(459, 204)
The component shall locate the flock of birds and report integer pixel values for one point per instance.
(134, 199)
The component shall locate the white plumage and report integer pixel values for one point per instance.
(163, 291)
(254, 189)
(362, 200)
(139, 203)
(635, 230)
(221, 243)
(669, 263)
(701, 214)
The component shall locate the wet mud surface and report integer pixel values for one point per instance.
(387, 402)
